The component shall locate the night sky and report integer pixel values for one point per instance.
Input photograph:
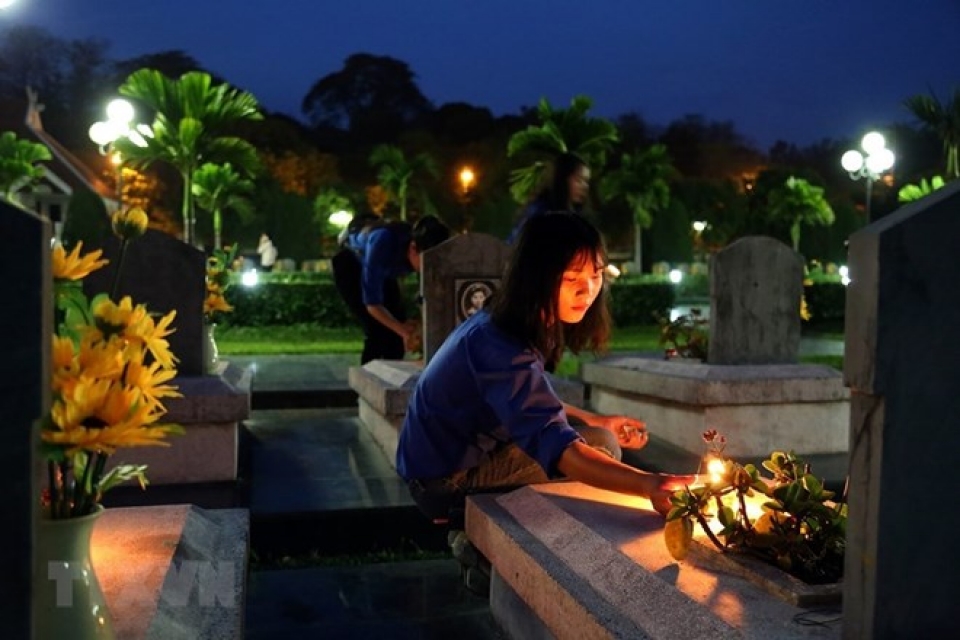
(793, 70)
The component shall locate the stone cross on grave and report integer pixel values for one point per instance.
(456, 278)
(756, 284)
(902, 364)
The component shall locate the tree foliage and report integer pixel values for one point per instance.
(559, 131)
(403, 177)
(20, 164)
(944, 119)
(373, 95)
(219, 188)
(797, 202)
(192, 125)
(642, 181)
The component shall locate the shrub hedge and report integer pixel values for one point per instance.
(275, 302)
(317, 301)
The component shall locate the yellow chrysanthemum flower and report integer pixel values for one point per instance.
(72, 266)
(143, 330)
(113, 318)
(129, 224)
(150, 380)
(215, 302)
(94, 360)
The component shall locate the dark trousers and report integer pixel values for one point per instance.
(379, 342)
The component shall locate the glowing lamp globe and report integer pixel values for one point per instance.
(852, 161)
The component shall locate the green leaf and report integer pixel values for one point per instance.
(726, 516)
(811, 484)
(122, 473)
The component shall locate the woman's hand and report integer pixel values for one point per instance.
(661, 486)
(631, 433)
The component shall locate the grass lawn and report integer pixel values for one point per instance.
(300, 339)
(313, 339)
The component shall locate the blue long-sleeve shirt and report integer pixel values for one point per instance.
(481, 388)
(383, 253)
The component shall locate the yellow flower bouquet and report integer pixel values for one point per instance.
(111, 369)
(219, 266)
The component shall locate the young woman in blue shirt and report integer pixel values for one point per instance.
(484, 416)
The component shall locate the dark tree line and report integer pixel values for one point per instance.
(373, 100)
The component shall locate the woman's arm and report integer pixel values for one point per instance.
(582, 462)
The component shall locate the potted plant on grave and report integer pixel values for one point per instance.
(687, 336)
(219, 266)
(788, 520)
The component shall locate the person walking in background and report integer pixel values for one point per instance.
(267, 251)
(483, 415)
(568, 189)
(365, 271)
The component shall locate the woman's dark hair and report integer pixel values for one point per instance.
(556, 195)
(527, 298)
(428, 232)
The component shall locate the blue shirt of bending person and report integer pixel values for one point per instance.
(383, 252)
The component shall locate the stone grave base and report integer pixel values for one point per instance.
(210, 412)
(571, 561)
(174, 571)
(758, 408)
(384, 388)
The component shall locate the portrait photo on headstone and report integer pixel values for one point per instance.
(470, 296)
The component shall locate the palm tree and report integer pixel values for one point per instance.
(798, 202)
(218, 188)
(19, 163)
(192, 120)
(397, 174)
(943, 118)
(911, 192)
(642, 181)
(559, 131)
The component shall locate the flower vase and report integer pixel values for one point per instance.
(211, 355)
(68, 601)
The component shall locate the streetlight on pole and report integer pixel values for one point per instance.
(467, 179)
(878, 160)
(105, 132)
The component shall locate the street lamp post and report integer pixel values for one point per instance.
(467, 180)
(105, 132)
(878, 159)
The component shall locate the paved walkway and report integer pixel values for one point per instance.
(323, 497)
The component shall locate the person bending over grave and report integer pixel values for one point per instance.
(568, 189)
(374, 254)
(483, 415)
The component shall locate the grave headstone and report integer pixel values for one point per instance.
(456, 278)
(26, 326)
(902, 364)
(756, 284)
(163, 273)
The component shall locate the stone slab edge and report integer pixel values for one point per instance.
(707, 385)
(519, 533)
(219, 541)
(384, 430)
(212, 399)
(385, 385)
